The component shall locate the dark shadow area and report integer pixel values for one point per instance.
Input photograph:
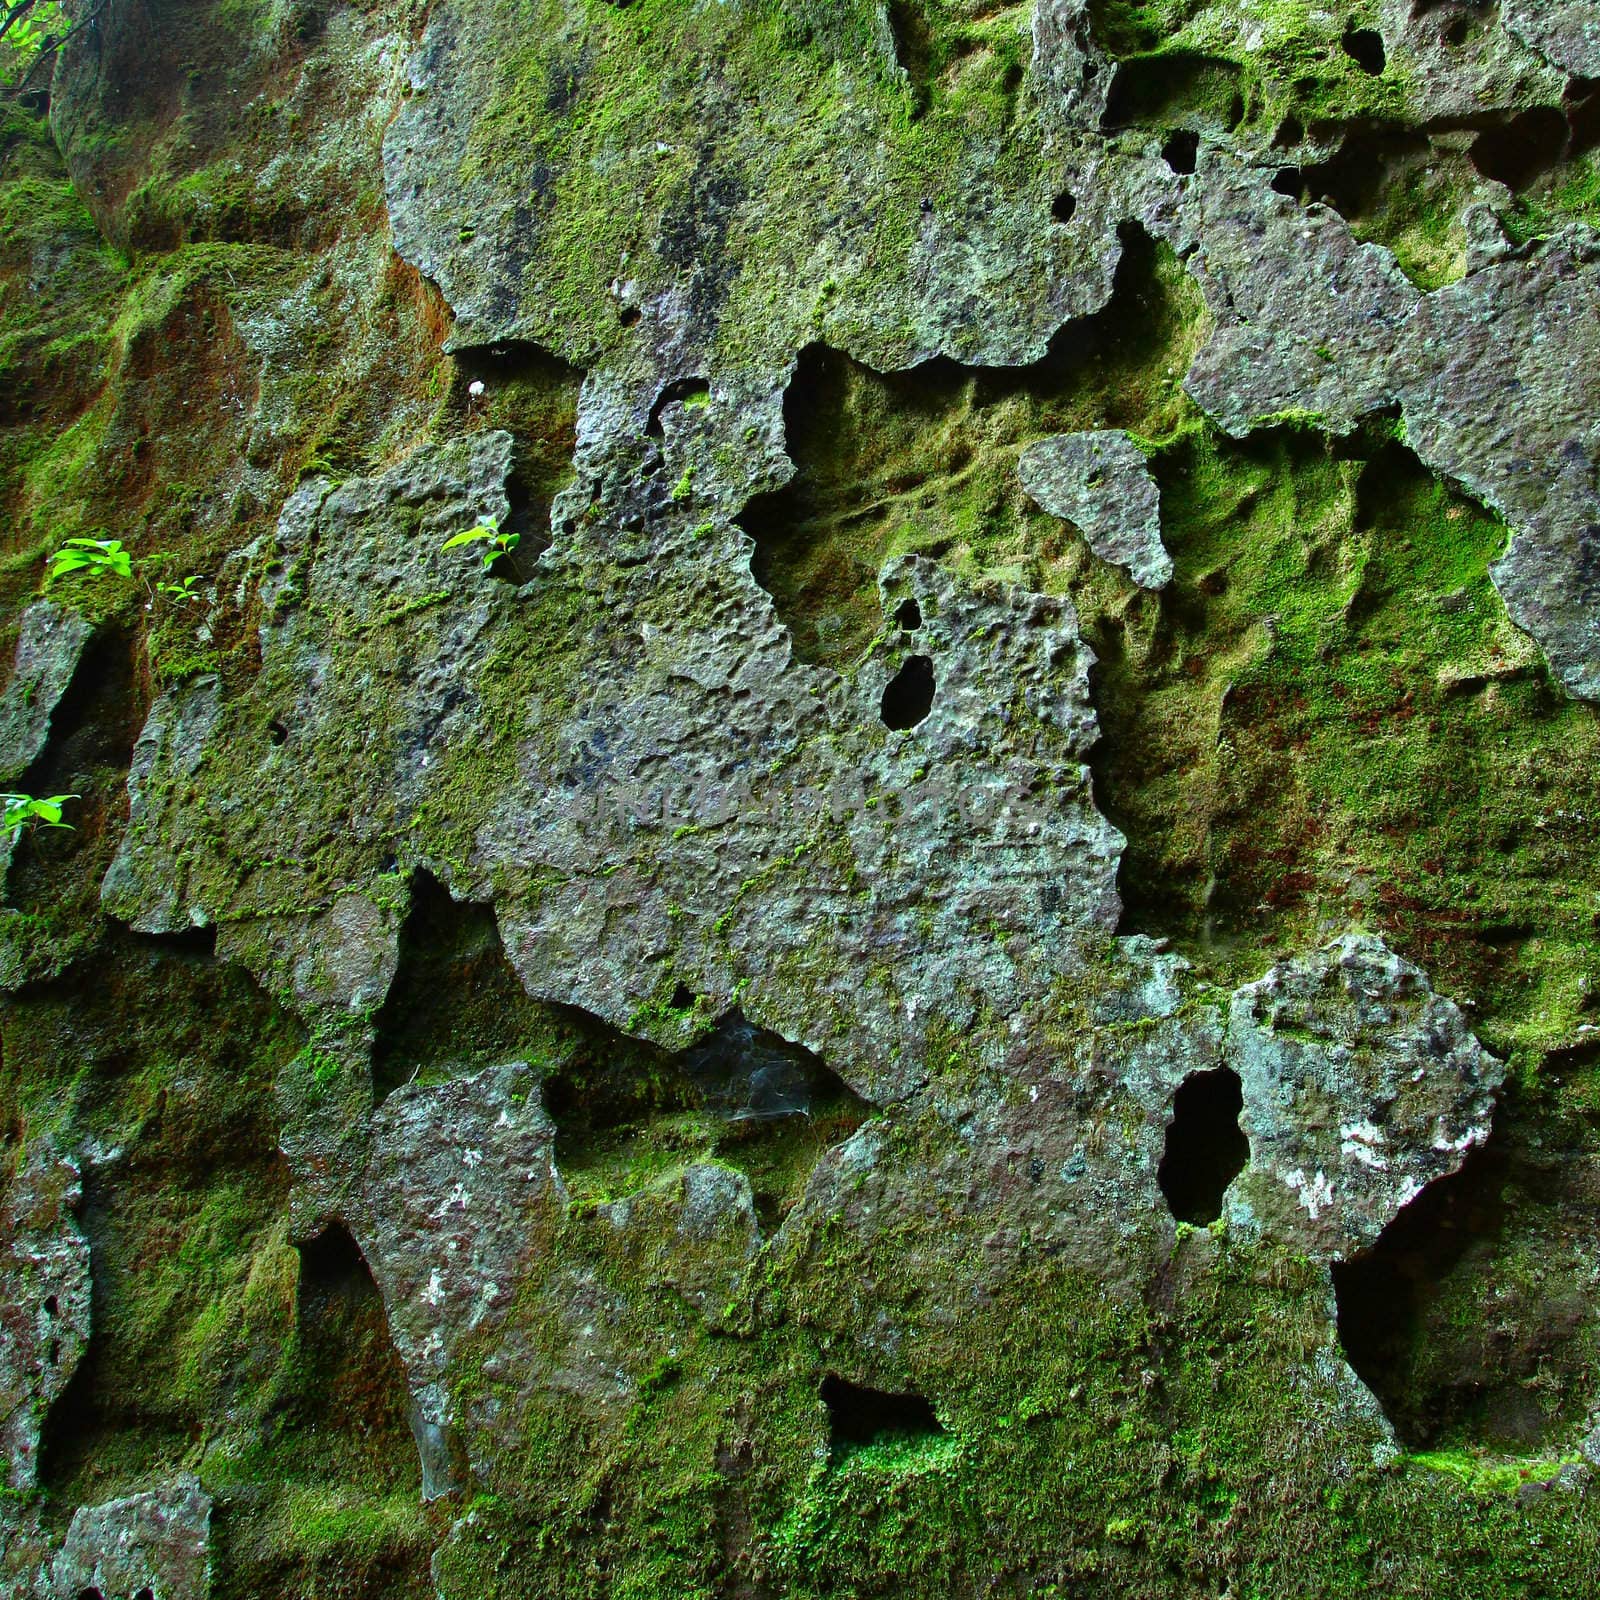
(1181, 151)
(1202, 93)
(1206, 1148)
(349, 1404)
(1383, 1296)
(914, 50)
(924, 459)
(681, 391)
(1354, 180)
(455, 1002)
(908, 696)
(626, 1111)
(191, 944)
(1364, 46)
(1516, 152)
(1064, 207)
(533, 395)
(860, 1416)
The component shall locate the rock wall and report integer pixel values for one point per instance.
(953, 952)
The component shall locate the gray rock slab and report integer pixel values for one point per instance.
(44, 1302)
(1101, 482)
(157, 1542)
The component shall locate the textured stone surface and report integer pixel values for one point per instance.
(1100, 482)
(44, 1302)
(158, 1542)
(698, 768)
(345, 281)
(460, 1186)
(49, 648)
(1361, 1086)
(1565, 32)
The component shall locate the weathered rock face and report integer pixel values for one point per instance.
(953, 951)
(157, 1543)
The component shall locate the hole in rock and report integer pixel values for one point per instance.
(1206, 1148)
(629, 315)
(52, 1306)
(1517, 151)
(681, 391)
(908, 696)
(1364, 46)
(1384, 1295)
(352, 1386)
(144, 1594)
(455, 1003)
(1171, 91)
(627, 1112)
(1290, 132)
(277, 733)
(923, 460)
(859, 1416)
(1063, 207)
(1287, 181)
(913, 49)
(1182, 150)
(90, 1594)
(909, 615)
(682, 998)
(534, 396)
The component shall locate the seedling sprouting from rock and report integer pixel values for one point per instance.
(23, 811)
(488, 532)
(96, 557)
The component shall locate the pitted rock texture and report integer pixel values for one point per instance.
(1361, 1086)
(802, 1019)
(701, 806)
(156, 1543)
(44, 1302)
(460, 1188)
(1100, 482)
(49, 648)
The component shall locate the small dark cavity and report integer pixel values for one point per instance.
(144, 1594)
(749, 1074)
(1519, 150)
(53, 1354)
(629, 315)
(1364, 46)
(1457, 30)
(1382, 1297)
(1182, 150)
(90, 1594)
(859, 1416)
(277, 733)
(909, 695)
(1206, 1148)
(1064, 206)
(682, 997)
(909, 614)
(1290, 132)
(52, 1306)
(680, 392)
(1288, 181)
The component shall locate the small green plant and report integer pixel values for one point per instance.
(96, 557)
(486, 531)
(23, 811)
(180, 593)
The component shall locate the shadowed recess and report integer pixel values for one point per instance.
(908, 696)
(455, 1002)
(1206, 1149)
(860, 1416)
(924, 460)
